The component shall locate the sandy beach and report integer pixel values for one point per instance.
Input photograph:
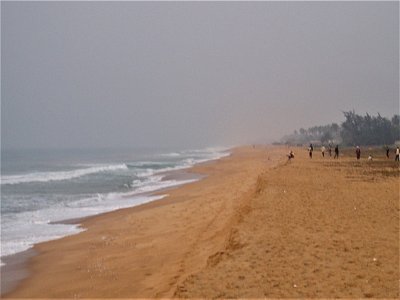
(255, 226)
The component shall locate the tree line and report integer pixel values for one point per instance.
(355, 130)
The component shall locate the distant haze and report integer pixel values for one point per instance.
(190, 74)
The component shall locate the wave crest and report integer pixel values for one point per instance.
(60, 175)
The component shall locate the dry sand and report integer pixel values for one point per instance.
(255, 227)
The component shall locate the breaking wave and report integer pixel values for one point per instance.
(60, 175)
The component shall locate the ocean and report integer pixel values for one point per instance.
(41, 188)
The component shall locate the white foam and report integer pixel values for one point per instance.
(209, 150)
(61, 175)
(145, 172)
(185, 163)
(172, 154)
(156, 183)
(21, 231)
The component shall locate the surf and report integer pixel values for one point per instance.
(59, 175)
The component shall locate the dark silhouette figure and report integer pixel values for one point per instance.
(358, 152)
(290, 155)
(336, 152)
(310, 150)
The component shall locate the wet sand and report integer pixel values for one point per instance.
(15, 270)
(256, 226)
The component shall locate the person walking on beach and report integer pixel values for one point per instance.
(387, 152)
(397, 158)
(358, 152)
(310, 150)
(323, 151)
(330, 149)
(336, 152)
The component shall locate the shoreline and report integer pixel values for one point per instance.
(16, 266)
(103, 230)
(15, 270)
(257, 226)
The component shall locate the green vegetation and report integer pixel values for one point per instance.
(369, 130)
(355, 130)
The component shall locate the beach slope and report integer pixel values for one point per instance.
(316, 228)
(256, 226)
(147, 251)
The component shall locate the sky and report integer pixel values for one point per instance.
(190, 74)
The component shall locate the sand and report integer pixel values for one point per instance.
(257, 226)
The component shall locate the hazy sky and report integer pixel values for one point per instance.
(191, 74)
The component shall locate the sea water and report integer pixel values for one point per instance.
(42, 188)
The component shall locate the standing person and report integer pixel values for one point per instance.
(290, 155)
(323, 151)
(336, 152)
(330, 149)
(397, 154)
(358, 152)
(310, 150)
(387, 152)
